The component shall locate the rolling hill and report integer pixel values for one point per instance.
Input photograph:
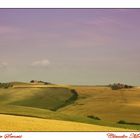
(18, 123)
(107, 104)
(48, 97)
(77, 104)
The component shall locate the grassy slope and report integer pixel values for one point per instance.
(27, 101)
(16, 123)
(107, 104)
(47, 114)
(48, 98)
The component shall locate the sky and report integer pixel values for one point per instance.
(70, 46)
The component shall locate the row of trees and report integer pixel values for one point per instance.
(40, 82)
(119, 86)
(5, 85)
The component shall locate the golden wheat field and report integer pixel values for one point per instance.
(68, 108)
(18, 123)
(107, 104)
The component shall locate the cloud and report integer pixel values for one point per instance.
(3, 65)
(41, 63)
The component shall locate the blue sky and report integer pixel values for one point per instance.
(72, 46)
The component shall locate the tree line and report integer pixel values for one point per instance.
(6, 85)
(116, 86)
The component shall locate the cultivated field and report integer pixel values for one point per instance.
(16, 123)
(107, 104)
(87, 108)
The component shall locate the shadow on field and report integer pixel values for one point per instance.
(52, 99)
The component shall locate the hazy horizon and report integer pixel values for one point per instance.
(72, 46)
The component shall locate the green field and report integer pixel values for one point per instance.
(73, 104)
(47, 98)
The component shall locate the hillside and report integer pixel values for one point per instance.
(82, 104)
(16, 123)
(48, 98)
(107, 104)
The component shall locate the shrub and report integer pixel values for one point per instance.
(130, 123)
(121, 122)
(93, 117)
